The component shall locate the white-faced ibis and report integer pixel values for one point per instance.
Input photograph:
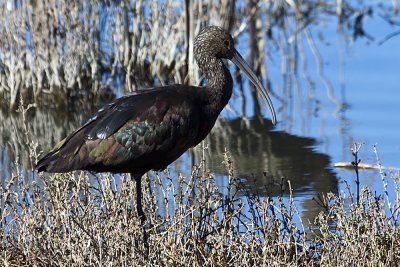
(149, 129)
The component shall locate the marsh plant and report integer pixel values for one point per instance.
(83, 219)
(54, 49)
(57, 49)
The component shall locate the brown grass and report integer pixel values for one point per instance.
(78, 220)
(57, 49)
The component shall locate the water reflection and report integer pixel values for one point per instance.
(263, 159)
(43, 125)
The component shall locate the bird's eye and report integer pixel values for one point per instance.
(227, 43)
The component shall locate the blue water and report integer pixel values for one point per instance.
(355, 100)
(365, 77)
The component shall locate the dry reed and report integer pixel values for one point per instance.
(78, 219)
(79, 47)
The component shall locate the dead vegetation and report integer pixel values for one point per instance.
(83, 220)
(58, 48)
(78, 219)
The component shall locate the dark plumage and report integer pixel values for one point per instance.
(149, 129)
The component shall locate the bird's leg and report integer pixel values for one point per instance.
(139, 209)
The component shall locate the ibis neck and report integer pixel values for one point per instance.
(219, 86)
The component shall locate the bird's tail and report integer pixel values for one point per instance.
(49, 163)
(63, 157)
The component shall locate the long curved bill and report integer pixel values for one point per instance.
(238, 60)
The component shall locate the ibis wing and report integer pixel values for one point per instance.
(149, 129)
(156, 133)
(113, 116)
